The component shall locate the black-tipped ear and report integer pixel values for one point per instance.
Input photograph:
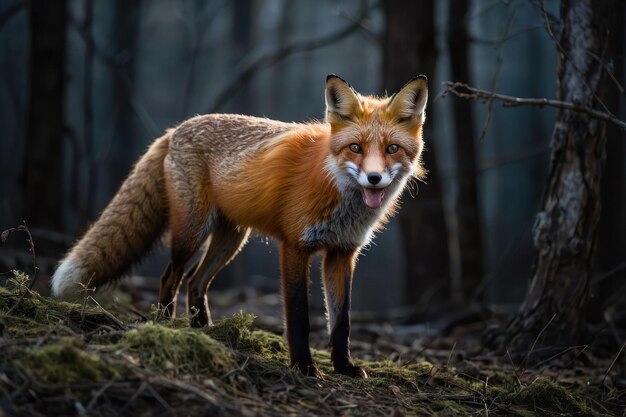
(410, 101)
(342, 102)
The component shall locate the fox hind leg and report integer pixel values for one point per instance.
(225, 242)
(182, 251)
(188, 231)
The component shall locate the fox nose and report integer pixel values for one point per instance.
(374, 178)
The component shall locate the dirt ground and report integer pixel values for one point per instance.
(127, 359)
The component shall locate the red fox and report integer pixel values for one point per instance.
(315, 187)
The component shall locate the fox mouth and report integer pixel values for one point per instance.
(373, 197)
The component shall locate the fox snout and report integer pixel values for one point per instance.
(374, 177)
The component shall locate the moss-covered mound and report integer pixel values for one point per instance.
(236, 333)
(180, 350)
(65, 364)
(79, 359)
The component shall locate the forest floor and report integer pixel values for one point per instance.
(58, 359)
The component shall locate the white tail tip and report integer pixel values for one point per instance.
(66, 280)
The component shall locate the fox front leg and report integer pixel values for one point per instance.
(294, 268)
(337, 271)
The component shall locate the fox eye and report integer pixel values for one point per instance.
(356, 148)
(405, 119)
(393, 148)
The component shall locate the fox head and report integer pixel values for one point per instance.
(375, 143)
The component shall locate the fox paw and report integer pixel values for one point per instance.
(308, 369)
(352, 371)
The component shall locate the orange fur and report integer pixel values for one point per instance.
(266, 192)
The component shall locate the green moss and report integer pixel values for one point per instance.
(443, 408)
(500, 382)
(178, 350)
(550, 399)
(385, 373)
(26, 313)
(159, 314)
(321, 357)
(520, 412)
(62, 364)
(199, 358)
(268, 345)
(233, 331)
(33, 306)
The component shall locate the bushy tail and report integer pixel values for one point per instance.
(125, 231)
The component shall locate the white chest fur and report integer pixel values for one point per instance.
(352, 223)
(349, 227)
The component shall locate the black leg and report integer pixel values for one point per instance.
(294, 264)
(338, 270)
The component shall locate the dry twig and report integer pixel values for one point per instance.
(465, 91)
(23, 228)
(532, 348)
(608, 371)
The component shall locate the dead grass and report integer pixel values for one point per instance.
(70, 359)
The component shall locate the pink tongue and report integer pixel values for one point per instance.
(373, 197)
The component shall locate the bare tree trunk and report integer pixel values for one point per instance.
(409, 50)
(43, 167)
(466, 208)
(554, 312)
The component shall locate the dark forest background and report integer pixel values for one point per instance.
(85, 86)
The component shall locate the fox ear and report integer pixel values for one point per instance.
(342, 102)
(410, 102)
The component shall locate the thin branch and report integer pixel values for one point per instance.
(11, 11)
(471, 93)
(3, 238)
(608, 371)
(122, 79)
(598, 278)
(365, 28)
(608, 68)
(506, 37)
(23, 228)
(532, 348)
(272, 58)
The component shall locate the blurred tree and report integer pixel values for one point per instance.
(242, 40)
(125, 147)
(553, 313)
(43, 169)
(610, 257)
(468, 234)
(238, 274)
(409, 49)
(88, 115)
